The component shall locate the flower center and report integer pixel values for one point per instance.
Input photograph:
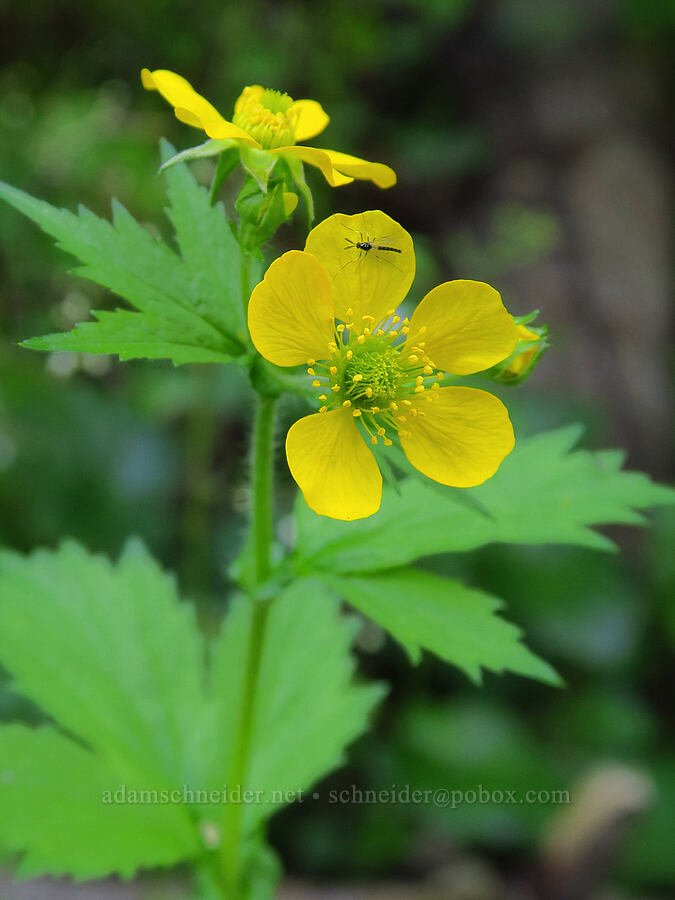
(378, 373)
(268, 116)
(372, 375)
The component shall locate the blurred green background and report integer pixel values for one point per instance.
(531, 139)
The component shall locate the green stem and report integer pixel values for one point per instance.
(245, 278)
(260, 544)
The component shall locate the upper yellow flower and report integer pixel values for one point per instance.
(267, 120)
(332, 307)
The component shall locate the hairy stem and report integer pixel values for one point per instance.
(260, 543)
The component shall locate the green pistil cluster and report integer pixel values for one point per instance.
(267, 117)
(276, 101)
(378, 373)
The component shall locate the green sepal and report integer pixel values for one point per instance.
(273, 381)
(227, 163)
(525, 320)
(261, 214)
(259, 165)
(201, 151)
(297, 173)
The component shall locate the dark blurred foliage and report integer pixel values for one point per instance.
(531, 140)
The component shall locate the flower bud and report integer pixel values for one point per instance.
(526, 354)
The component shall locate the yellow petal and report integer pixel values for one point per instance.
(333, 467)
(467, 328)
(381, 175)
(290, 314)
(312, 119)
(524, 334)
(459, 437)
(369, 282)
(252, 92)
(191, 107)
(318, 158)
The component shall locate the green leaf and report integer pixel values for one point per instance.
(117, 661)
(54, 809)
(209, 249)
(543, 493)
(124, 257)
(307, 708)
(97, 646)
(133, 335)
(457, 623)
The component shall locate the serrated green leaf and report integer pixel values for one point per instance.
(110, 653)
(543, 493)
(209, 249)
(54, 809)
(133, 335)
(124, 257)
(307, 708)
(98, 646)
(457, 623)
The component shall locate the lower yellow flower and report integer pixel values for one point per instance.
(332, 307)
(270, 121)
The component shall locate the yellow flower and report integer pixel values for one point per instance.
(332, 307)
(267, 120)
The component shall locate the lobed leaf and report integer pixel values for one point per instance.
(98, 648)
(117, 661)
(544, 493)
(55, 810)
(459, 624)
(170, 299)
(209, 250)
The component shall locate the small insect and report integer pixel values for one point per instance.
(366, 245)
